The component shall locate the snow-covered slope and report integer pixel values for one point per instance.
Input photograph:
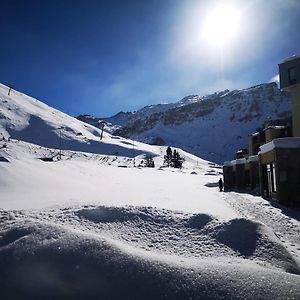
(214, 126)
(93, 226)
(83, 227)
(105, 123)
(27, 119)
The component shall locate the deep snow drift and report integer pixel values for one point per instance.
(92, 225)
(42, 259)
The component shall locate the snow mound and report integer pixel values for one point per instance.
(200, 234)
(40, 259)
(184, 235)
(198, 221)
(241, 235)
(255, 241)
(122, 214)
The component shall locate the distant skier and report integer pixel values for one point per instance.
(221, 185)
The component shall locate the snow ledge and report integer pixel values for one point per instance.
(292, 142)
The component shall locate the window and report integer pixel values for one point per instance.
(274, 186)
(292, 75)
(269, 178)
(271, 171)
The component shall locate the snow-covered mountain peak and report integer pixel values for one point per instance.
(212, 126)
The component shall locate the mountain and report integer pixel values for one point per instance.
(213, 126)
(27, 119)
(112, 124)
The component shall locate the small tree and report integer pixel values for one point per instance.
(149, 162)
(177, 160)
(168, 157)
(173, 159)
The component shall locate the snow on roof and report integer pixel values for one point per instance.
(240, 151)
(240, 161)
(275, 127)
(253, 158)
(290, 58)
(291, 142)
(255, 134)
(234, 162)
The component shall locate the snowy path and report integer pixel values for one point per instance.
(283, 221)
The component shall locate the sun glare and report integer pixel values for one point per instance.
(221, 25)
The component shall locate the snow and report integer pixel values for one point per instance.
(275, 127)
(92, 225)
(228, 163)
(290, 143)
(86, 178)
(240, 161)
(253, 158)
(25, 118)
(60, 263)
(256, 134)
(290, 58)
(212, 127)
(82, 218)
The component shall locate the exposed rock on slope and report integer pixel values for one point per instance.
(213, 126)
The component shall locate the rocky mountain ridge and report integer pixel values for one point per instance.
(212, 126)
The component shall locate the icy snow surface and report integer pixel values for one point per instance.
(93, 226)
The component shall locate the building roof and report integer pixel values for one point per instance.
(240, 161)
(287, 143)
(275, 127)
(293, 57)
(257, 133)
(253, 158)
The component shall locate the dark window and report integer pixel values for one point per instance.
(292, 75)
(271, 171)
(274, 185)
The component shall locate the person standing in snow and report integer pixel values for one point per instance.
(221, 185)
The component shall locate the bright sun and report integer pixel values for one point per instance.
(222, 25)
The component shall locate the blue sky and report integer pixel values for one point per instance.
(102, 57)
